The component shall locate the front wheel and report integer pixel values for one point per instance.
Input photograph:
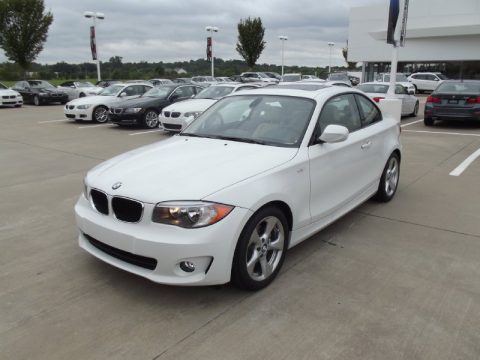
(260, 250)
(389, 180)
(100, 114)
(150, 119)
(428, 121)
(36, 101)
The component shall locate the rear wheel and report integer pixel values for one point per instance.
(100, 114)
(389, 180)
(428, 121)
(260, 250)
(415, 110)
(150, 119)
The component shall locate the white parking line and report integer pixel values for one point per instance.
(145, 132)
(94, 126)
(465, 164)
(410, 123)
(441, 132)
(52, 121)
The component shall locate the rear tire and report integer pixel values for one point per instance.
(389, 180)
(428, 121)
(415, 110)
(260, 250)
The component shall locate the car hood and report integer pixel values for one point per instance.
(92, 89)
(95, 100)
(191, 105)
(143, 102)
(185, 168)
(8, 92)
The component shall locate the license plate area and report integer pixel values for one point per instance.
(453, 101)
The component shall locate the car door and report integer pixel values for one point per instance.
(339, 172)
(402, 94)
(25, 90)
(69, 88)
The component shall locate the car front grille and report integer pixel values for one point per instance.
(70, 107)
(8, 97)
(138, 260)
(175, 114)
(166, 113)
(127, 210)
(100, 201)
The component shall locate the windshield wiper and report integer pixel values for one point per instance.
(240, 139)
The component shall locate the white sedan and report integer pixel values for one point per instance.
(175, 117)
(78, 89)
(254, 175)
(9, 97)
(95, 108)
(378, 91)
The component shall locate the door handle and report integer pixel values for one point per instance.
(366, 145)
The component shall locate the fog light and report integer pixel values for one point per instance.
(187, 266)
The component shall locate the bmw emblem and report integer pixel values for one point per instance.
(116, 185)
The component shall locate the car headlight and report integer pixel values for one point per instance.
(84, 106)
(133, 110)
(190, 214)
(42, 94)
(192, 113)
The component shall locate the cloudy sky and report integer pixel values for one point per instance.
(174, 30)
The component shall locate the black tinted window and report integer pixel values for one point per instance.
(369, 112)
(340, 110)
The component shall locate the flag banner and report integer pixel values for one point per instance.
(392, 20)
(93, 43)
(209, 48)
(403, 32)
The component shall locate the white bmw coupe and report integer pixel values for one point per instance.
(254, 175)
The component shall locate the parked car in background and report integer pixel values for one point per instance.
(354, 80)
(273, 75)
(378, 91)
(254, 175)
(223, 79)
(138, 82)
(426, 81)
(106, 83)
(175, 117)
(39, 92)
(95, 108)
(182, 80)
(144, 110)
(10, 97)
(400, 79)
(453, 100)
(257, 77)
(310, 77)
(291, 77)
(157, 82)
(76, 89)
(204, 80)
(340, 76)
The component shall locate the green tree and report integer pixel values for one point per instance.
(350, 65)
(250, 43)
(23, 29)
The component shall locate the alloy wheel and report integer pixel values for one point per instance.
(391, 176)
(100, 114)
(151, 119)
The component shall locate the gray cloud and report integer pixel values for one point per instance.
(159, 30)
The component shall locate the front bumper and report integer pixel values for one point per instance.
(53, 98)
(173, 124)
(125, 118)
(210, 248)
(71, 112)
(11, 100)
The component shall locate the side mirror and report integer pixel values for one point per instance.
(411, 92)
(334, 134)
(436, 79)
(72, 86)
(123, 94)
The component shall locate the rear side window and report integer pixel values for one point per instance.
(340, 110)
(369, 113)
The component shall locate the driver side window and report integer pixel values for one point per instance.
(340, 110)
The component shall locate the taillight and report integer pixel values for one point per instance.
(473, 100)
(378, 98)
(434, 100)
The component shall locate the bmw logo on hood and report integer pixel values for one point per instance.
(116, 185)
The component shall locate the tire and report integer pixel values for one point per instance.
(81, 95)
(415, 110)
(37, 101)
(264, 249)
(389, 180)
(428, 121)
(150, 119)
(18, 106)
(416, 90)
(100, 115)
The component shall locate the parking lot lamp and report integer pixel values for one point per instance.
(212, 29)
(94, 16)
(283, 38)
(330, 45)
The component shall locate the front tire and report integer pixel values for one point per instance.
(100, 114)
(415, 110)
(150, 119)
(261, 249)
(389, 180)
(36, 101)
(428, 121)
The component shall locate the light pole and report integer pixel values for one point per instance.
(95, 16)
(283, 38)
(211, 29)
(330, 45)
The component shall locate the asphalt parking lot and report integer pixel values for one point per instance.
(387, 281)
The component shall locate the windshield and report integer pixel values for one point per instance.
(214, 92)
(262, 75)
(441, 76)
(112, 90)
(40, 84)
(261, 119)
(471, 88)
(373, 88)
(159, 92)
(84, 84)
(3, 86)
(400, 77)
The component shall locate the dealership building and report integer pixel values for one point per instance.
(442, 35)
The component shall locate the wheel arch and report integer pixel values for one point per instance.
(284, 207)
